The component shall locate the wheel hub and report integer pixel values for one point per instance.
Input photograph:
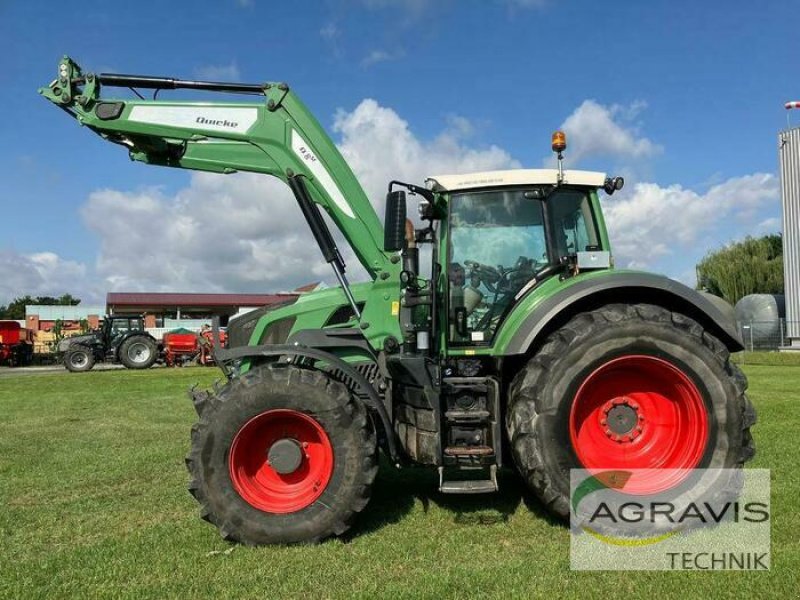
(621, 419)
(281, 461)
(285, 456)
(643, 413)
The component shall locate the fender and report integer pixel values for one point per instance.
(371, 398)
(116, 343)
(626, 287)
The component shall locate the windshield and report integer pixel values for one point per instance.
(498, 243)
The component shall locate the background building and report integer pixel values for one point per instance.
(168, 310)
(162, 312)
(40, 317)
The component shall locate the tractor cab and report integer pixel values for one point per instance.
(507, 230)
(116, 328)
(497, 235)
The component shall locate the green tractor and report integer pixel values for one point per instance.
(495, 334)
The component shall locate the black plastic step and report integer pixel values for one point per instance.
(479, 486)
(469, 486)
(468, 450)
(467, 416)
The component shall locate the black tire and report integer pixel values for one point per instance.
(26, 355)
(79, 359)
(138, 352)
(307, 391)
(541, 395)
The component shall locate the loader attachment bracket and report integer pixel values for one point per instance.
(73, 86)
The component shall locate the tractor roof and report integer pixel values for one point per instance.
(451, 183)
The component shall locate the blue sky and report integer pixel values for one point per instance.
(684, 98)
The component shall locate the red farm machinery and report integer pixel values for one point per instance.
(16, 344)
(183, 346)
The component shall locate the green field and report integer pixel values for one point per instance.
(93, 503)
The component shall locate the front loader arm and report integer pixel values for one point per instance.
(275, 136)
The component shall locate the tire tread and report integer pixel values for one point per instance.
(522, 414)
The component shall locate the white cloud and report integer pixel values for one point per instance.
(42, 274)
(460, 126)
(770, 225)
(378, 56)
(651, 223)
(237, 233)
(229, 72)
(330, 31)
(379, 146)
(595, 130)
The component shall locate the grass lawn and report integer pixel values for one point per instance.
(93, 502)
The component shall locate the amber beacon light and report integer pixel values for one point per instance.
(559, 141)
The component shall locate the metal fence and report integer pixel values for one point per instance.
(770, 335)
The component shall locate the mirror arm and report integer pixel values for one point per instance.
(414, 189)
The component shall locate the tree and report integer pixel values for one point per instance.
(16, 308)
(751, 266)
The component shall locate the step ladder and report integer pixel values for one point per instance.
(483, 485)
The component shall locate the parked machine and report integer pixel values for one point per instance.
(121, 339)
(183, 346)
(522, 347)
(207, 345)
(16, 344)
(180, 347)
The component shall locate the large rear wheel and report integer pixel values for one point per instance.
(138, 352)
(282, 455)
(627, 387)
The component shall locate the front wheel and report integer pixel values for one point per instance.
(138, 352)
(282, 455)
(78, 359)
(627, 387)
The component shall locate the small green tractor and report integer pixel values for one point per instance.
(514, 344)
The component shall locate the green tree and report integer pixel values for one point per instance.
(16, 308)
(58, 334)
(751, 266)
(68, 300)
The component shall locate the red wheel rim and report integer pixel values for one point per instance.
(639, 412)
(261, 485)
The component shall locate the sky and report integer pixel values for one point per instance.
(682, 98)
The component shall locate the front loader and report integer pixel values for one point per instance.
(518, 344)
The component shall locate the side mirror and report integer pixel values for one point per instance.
(394, 226)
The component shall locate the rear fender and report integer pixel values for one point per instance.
(588, 292)
(117, 342)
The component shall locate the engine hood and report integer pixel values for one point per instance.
(88, 339)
